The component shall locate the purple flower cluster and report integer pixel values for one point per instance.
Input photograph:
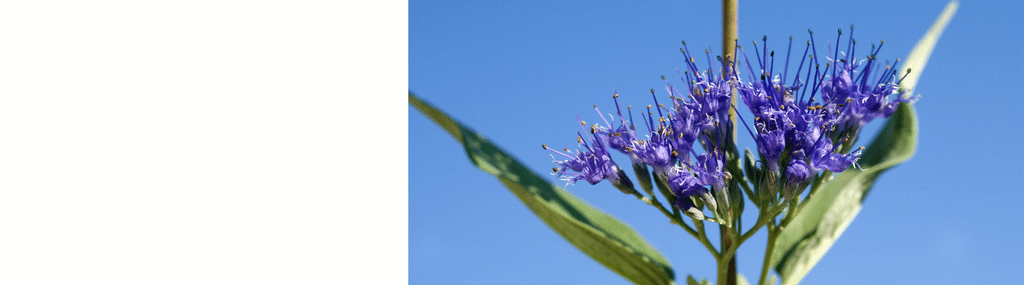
(811, 124)
(800, 128)
(699, 115)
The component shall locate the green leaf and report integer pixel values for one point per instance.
(740, 280)
(923, 50)
(602, 237)
(691, 281)
(825, 215)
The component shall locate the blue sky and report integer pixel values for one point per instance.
(518, 71)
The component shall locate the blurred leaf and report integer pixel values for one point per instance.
(826, 215)
(691, 281)
(740, 280)
(602, 237)
(923, 50)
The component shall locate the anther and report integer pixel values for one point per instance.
(545, 146)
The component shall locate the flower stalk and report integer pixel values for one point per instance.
(730, 26)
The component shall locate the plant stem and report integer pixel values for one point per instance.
(723, 272)
(727, 264)
(773, 234)
(730, 24)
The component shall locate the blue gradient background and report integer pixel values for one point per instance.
(517, 72)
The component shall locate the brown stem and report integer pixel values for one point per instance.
(730, 24)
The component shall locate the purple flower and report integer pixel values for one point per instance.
(797, 172)
(793, 118)
(693, 180)
(823, 156)
(656, 152)
(619, 138)
(593, 164)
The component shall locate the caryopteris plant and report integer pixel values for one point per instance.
(806, 176)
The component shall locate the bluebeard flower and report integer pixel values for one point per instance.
(620, 138)
(797, 172)
(813, 135)
(656, 151)
(692, 181)
(593, 164)
(824, 157)
(702, 113)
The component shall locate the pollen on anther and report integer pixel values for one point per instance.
(545, 146)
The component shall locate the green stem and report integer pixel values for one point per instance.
(703, 237)
(723, 272)
(773, 235)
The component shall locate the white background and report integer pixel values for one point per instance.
(203, 142)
